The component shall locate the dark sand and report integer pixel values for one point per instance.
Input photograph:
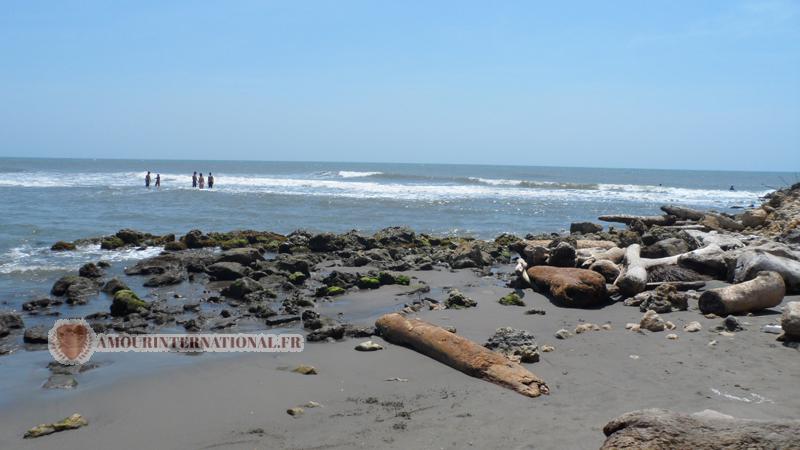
(240, 402)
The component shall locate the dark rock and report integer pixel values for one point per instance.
(241, 287)
(165, 279)
(395, 236)
(281, 319)
(79, 289)
(4, 331)
(585, 228)
(175, 246)
(730, 323)
(156, 265)
(671, 272)
(293, 264)
(196, 239)
(261, 311)
(562, 256)
(359, 331)
(61, 381)
(40, 303)
(709, 260)
(226, 271)
(35, 335)
(127, 302)
(111, 243)
(262, 295)
(466, 256)
(332, 332)
(62, 246)
(113, 285)
(457, 300)
(663, 299)
(664, 248)
(343, 280)
(130, 237)
(518, 345)
(244, 256)
(11, 320)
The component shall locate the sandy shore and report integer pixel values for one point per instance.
(240, 402)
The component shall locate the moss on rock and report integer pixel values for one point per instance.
(511, 299)
(127, 302)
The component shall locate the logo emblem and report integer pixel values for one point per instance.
(71, 341)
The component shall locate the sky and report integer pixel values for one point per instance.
(655, 84)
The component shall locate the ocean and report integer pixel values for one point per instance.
(46, 200)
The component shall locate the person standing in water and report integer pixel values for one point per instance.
(147, 180)
(158, 180)
(194, 179)
(200, 181)
(210, 180)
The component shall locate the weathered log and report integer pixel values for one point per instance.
(582, 243)
(660, 429)
(633, 278)
(679, 285)
(719, 222)
(764, 291)
(571, 287)
(460, 353)
(751, 262)
(708, 260)
(683, 212)
(647, 220)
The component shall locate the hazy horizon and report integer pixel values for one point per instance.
(672, 85)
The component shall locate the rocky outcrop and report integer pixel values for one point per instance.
(570, 287)
(226, 271)
(517, 345)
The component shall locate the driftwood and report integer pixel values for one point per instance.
(633, 278)
(647, 220)
(764, 291)
(718, 221)
(682, 212)
(660, 429)
(460, 353)
(582, 243)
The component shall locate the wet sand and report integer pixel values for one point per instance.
(240, 402)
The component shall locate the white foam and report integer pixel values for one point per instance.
(355, 174)
(41, 259)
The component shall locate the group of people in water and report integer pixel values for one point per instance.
(197, 181)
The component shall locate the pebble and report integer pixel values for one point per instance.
(563, 334)
(672, 336)
(305, 369)
(295, 412)
(548, 348)
(368, 346)
(312, 404)
(692, 327)
(712, 343)
(606, 326)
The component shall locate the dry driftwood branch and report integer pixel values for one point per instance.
(633, 278)
(764, 291)
(683, 212)
(460, 353)
(647, 220)
(660, 429)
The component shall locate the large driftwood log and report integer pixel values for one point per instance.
(460, 353)
(764, 291)
(660, 429)
(683, 212)
(633, 278)
(647, 220)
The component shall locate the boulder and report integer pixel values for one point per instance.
(90, 270)
(35, 335)
(127, 302)
(570, 286)
(651, 321)
(165, 279)
(457, 300)
(751, 262)
(664, 248)
(245, 256)
(155, 265)
(130, 237)
(62, 246)
(606, 268)
(790, 321)
(196, 239)
(11, 320)
(241, 287)
(754, 218)
(111, 243)
(226, 271)
(535, 255)
(517, 345)
(293, 264)
(584, 228)
(40, 303)
(113, 285)
(76, 289)
(470, 255)
(563, 255)
(395, 236)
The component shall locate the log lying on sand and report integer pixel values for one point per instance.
(659, 429)
(682, 212)
(460, 353)
(633, 278)
(764, 291)
(571, 287)
(647, 220)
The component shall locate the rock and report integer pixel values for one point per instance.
(368, 346)
(70, 423)
(62, 284)
(535, 311)
(387, 278)
(196, 239)
(61, 381)
(790, 321)
(175, 246)
(750, 263)
(651, 321)
(62, 246)
(111, 243)
(663, 299)
(470, 255)
(295, 412)
(709, 260)
(563, 255)
(305, 369)
(457, 300)
(607, 269)
(327, 332)
(570, 286)
(563, 334)
(293, 264)
(329, 291)
(511, 299)
(78, 292)
(369, 283)
(754, 218)
(664, 248)
(297, 278)
(723, 241)
(127, 302)
(244, 256)
(659, 429)
(4, 331)
(35, 335)
(11, 320)
(672, 336)
(395, 236)
(517, 345)
(156, 265)
(548, 348)
(226, 271)
(535, 255)
(40, 303)
(165, 279)
(730, 323)
(130, 237)
(114, 285)
(242, 287)
(719, 222)
(692, 327)
(343, 280)
(584, 228)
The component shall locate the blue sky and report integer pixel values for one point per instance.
(672, 84)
